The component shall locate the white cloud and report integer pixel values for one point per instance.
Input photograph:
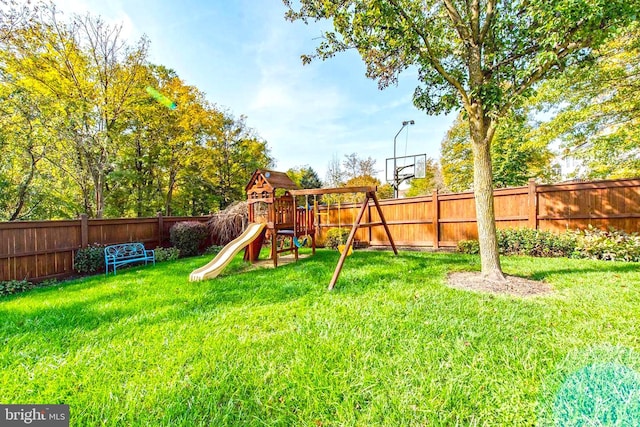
(112, 12)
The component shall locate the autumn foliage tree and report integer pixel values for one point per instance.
(81, 133)
(516, 156)
(595, 110)
(481, 56)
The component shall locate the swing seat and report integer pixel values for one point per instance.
(341, 249)
(299, 243)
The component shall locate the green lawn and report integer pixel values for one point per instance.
(392, 345)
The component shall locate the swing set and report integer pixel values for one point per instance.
(347, 248)
(289, 226)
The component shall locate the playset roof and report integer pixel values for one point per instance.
(270, 180)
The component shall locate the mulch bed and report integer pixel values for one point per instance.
(513, 285)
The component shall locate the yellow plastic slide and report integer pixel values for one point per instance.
(224, 257)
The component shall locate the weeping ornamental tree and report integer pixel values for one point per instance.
(482, 56)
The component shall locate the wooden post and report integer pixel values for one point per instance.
(383, 220)
(436, 219)
(84, 231)
(345, 251)
(160, 228)
(533, 205)
(370, 232)
(370, 196)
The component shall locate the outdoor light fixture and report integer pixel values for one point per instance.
(396, 184)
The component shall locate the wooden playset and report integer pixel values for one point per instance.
(286, 221)
(287, 224)
(274, 214)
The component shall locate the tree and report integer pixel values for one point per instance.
(335, 175)
(14, 16)
(516, 156)
(92, 73)
(237, 151)
(483, 56)
(594, 110)
(423, 186)
(305, 177)
(362, 181)
(456, 157)
(81, 132)
(24, 129)
(355, 166)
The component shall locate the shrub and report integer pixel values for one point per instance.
(228, 224)
(89, 259)
(188, 237)
(613, 245)
(48, 282)
(468, 247)
(10, 287)
(166, 254)
(213, 250)
(526, 241)
(336, 237)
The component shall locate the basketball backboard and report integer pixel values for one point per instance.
(406, 167)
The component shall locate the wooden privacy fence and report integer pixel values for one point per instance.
(38, 250)
(442, 220)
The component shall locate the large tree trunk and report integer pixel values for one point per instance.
(483, 194)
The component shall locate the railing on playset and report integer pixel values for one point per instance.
(305, 220)
(282, 214)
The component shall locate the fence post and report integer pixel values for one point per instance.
(160, 228)
(436, 219)
(84, 230)
(370, 228)
(533, 205)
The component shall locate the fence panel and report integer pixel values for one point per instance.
(410, 222)
(442, 220)
(601, 204)
(39, 250)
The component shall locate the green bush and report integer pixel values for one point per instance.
(14, 286)
(468, 247)
(166, 254)
(336, 237)
(613, 245)
(526, 241)
(188, 237)
(213, 250)
(89, 259)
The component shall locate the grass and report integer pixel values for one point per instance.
(391, 346)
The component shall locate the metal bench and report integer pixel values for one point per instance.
(126, 253)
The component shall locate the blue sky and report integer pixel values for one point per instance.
(246, 57)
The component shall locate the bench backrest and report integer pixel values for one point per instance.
(124, 250)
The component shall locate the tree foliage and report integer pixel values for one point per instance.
(80, 132)
(482, 56)
(516, 155)
(305, 176)
(596, 110)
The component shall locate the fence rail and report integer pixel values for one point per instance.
(39, 250)
(442, 220)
